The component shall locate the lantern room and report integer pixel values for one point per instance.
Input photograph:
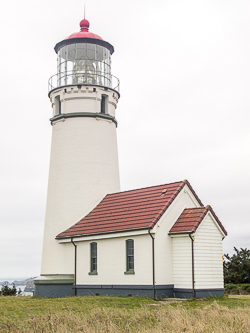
(84, 58)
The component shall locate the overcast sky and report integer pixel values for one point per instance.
(184, 68)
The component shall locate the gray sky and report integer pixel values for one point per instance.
(184, 68)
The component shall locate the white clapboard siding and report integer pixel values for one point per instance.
(163, 243)
(182, 262)
(208, 255)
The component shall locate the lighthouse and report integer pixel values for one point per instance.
(159, 241)
(84, 159)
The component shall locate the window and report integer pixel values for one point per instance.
(103, 104)
(93, 259)
(57, 105)
(130, 256)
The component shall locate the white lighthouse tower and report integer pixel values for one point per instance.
(84, 158)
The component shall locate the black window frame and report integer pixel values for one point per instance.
(130, 257)
(103, 104)
(58, 105)
(93, 258)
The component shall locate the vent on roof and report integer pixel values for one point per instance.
(164, 191)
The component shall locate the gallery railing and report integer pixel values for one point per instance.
(84, 78)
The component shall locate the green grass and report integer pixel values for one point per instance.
(123, 314)
(232, 301)
(24, 307)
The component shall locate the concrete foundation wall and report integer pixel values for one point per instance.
(188, 293)
(161, 291)
(54, 290)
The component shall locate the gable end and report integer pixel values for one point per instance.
(191, 218)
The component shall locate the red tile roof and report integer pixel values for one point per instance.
(191, 218)
(129, 210)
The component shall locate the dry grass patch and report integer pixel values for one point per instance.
(241, 297)
(114, 314)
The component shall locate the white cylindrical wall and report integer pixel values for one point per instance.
(77, 99)
(83, 169)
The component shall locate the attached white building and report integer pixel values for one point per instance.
(157, 241)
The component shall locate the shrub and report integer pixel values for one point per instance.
(237, 289)
(8, 291)
(231, 286)
(246, 287)
(237, 267)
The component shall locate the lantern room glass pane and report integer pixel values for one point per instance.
(99, 52)
(81, 51)
(84, 63)
(63, 53)
(91, 51)
(71, 52)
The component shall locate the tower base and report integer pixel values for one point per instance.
(54, 285)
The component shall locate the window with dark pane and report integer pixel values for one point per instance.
(103, 104)
(57, 105)
(93, 257)
(130, 255)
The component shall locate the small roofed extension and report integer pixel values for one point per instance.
(206, 232)
(190, 219)
(188, 255)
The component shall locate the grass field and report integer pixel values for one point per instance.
(120, 314)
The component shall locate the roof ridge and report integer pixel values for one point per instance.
(142, 188)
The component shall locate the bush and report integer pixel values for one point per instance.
(237, 289)
(237, 267)
(231, 286)
(246, 287)
(7, 291)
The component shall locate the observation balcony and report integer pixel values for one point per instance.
(86, 78)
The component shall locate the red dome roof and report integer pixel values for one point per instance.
(84, 32)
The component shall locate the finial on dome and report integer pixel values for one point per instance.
(84, 24)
